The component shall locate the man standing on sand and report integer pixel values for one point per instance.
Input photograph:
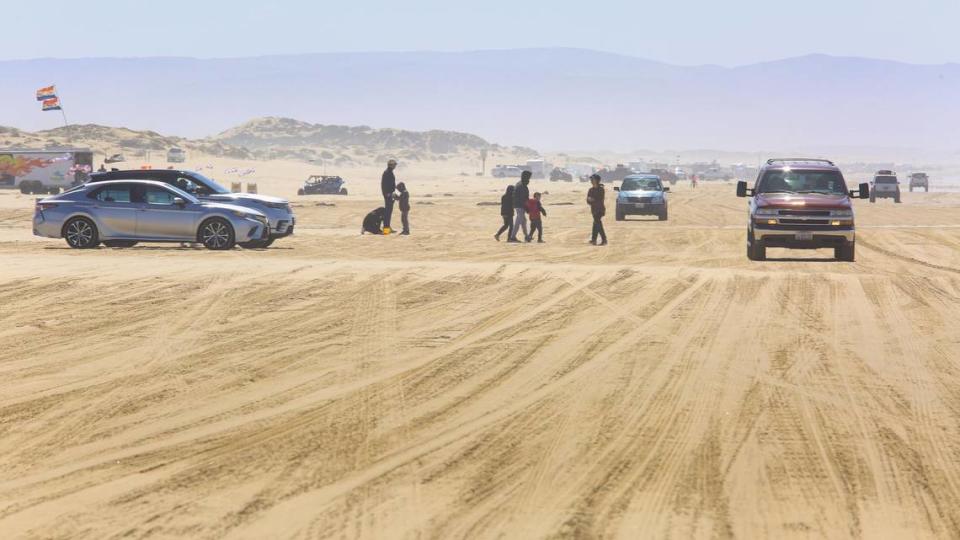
(520, 195)
(388, 184)
(598, 208)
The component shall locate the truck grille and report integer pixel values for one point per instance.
(640, 199)
(824, 213)
(788, 221)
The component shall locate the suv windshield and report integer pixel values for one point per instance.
(794, 181)
(640, 184)
(205, 186)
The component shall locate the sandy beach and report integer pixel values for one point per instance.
(445, 385)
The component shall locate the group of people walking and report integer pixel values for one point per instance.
(516, 204)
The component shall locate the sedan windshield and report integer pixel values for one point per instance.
(640, 184)
(793, 181)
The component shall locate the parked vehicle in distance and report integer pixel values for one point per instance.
(558, 174)
(506, 171)
(44, 171)
(277, 210)
(885, 186)
(115, 158)
(611, 175)
(919, 180)
(121, 213)
(801, 203)
(666, 176)
(176, 155)
(641, 194)
(323, 185)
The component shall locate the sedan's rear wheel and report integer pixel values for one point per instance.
(216, 234)
(81, 233)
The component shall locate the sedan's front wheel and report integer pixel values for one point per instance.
(81, 233)
(217, 234)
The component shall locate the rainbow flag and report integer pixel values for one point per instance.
(46, 92)
(52, 104)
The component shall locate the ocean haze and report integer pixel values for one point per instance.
(551, 99)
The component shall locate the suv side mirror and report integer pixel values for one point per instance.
(665, 188)
(864, 191)
(742, 189)
(616, 189)
(179, 202)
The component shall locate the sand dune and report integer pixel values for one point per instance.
(444, 385)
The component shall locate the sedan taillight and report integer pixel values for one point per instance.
(45, 206)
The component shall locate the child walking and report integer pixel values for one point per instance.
(535, 209)
(404, 199)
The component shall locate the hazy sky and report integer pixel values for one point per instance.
(730, 32)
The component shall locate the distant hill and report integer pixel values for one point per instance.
(286, 138)
(274, 138)
(550, 99)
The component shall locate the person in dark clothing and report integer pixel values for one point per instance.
(598, 208)
(520, 195)
(388, 184)
(371, 223)
(535, 209)
(506, 212)
(404, 199)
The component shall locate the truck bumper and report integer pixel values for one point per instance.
(803, 238)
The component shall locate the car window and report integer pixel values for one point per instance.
(798, 181)
(886, 180)
(119, 194)
(157, 195)
(640, 184)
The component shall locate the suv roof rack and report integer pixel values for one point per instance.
(784, 160)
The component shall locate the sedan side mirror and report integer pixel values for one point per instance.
(666, 188)
(616, 189)
(742, 190)
(179, 202)
(864, 191)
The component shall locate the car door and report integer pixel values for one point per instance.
(115, 211)
(161, 219)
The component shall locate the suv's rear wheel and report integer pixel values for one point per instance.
(846, 252)
(217, 234)
(81, 233)
(119, 243)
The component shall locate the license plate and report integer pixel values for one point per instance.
(640, 205)
(804, 236)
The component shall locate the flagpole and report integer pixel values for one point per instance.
(66, 126)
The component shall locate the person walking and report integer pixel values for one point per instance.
(595, 198)
(388, 184)
(535, 209)
(506, 212)
(520, 195)
(404, 203)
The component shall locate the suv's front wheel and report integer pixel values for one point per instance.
(846, 252)
(755, 250)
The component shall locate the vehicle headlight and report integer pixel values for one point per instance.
(278, 206)
(841, 213)
(767, 212)
(242, 214)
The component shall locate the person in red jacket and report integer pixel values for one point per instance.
(535, 210)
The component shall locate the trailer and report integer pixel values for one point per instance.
(44, 171)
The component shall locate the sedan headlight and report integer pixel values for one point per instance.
(243, 215)
(767, 212)
(277, 206)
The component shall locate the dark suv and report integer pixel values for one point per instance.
(277, 210)
(801, 204)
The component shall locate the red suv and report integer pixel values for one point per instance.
(801, 203)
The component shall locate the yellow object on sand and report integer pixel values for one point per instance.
(386, 230)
